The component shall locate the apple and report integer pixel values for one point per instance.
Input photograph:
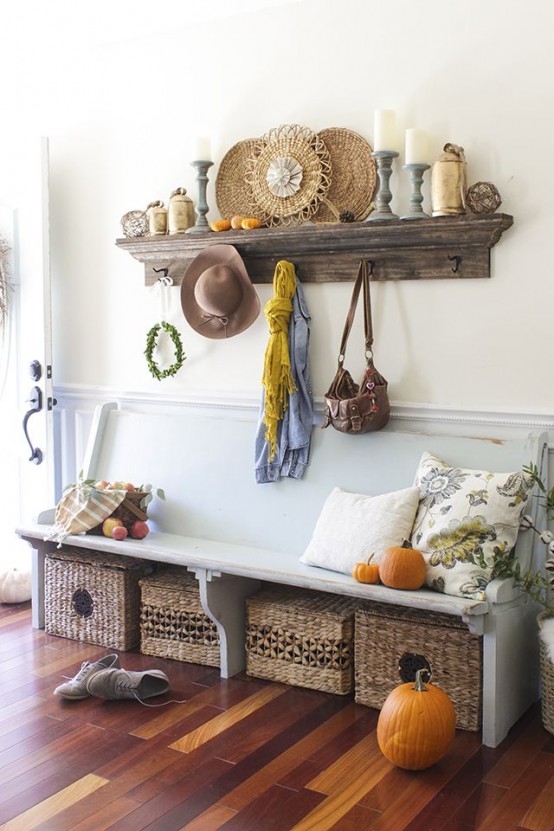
(127, 486)
(102, 484)
(139, 530)
(109, 524)
(116, 486)
(119, 532)
(236, 222)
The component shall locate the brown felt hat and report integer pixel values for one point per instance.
(217, 296)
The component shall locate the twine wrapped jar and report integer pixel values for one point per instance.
(157, 218)
(448, 182)
(181, 214)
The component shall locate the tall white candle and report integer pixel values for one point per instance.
(202, 149)
(385, 131)
(417, 146)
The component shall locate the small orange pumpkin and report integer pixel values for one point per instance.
(249, 223)
(366, 572)
(220, 225)
(416, 725)
(402, 567)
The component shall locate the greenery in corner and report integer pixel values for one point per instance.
(534, 583)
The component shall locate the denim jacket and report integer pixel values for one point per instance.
(295, 430)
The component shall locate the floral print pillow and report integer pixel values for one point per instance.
(463, 517)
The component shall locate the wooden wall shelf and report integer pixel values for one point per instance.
(423, 249)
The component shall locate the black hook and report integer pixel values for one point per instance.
(370, 267)
(456, 259)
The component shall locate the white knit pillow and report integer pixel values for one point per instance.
(352, 526)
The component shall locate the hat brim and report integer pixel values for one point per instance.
(245, 315)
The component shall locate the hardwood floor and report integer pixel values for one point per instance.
(239, 754)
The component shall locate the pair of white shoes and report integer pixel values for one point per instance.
(106, 679)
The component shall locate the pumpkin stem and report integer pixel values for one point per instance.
(370, 558)
(419, 685)
(406, 544)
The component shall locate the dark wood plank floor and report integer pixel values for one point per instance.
(238, 754)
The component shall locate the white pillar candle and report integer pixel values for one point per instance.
(417, 146)
(202, 149)
(385, 130)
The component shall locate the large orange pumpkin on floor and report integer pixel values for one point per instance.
(416, 725)
(402, 567)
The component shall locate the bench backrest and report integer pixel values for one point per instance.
(204, 460)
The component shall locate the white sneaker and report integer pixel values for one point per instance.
(75, 688)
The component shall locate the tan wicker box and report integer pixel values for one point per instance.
(301, 637)
(172, 621)
(93, 597)
(392, 642)
(547, 679)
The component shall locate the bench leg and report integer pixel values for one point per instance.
(37, 582)
(222, 597)
(510, 669)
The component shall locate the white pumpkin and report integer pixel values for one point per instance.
(15, 586)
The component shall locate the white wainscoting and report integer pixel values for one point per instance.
(76, 404)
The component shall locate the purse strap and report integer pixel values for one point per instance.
(361, 280)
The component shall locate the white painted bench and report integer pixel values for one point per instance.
(234, 534)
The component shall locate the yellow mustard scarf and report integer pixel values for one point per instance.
(277, 376)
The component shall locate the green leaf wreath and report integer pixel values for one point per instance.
(151, 342)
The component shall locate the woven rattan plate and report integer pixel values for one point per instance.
(353, 175)
(301, 145)
(232, 194)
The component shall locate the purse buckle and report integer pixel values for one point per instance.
(355, 418)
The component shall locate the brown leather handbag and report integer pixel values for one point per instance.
(349, 407)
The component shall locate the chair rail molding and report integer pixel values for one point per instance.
(76, 405)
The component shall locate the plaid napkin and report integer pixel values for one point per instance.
(81, 508)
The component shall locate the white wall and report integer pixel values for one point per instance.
(120, 116)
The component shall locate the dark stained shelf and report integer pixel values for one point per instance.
(422, 249)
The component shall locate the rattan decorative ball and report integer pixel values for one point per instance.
(483, 198)
(135, 224)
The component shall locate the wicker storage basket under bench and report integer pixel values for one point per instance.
(547, 678)
(301, 637)
(392, 642)
(173, 624)
(93, 597)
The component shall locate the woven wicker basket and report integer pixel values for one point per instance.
(547, 681)
(389, 637)
(93, 597)
(300, 637)
(128, 512)
(172, 621)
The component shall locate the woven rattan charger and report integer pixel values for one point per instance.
(353, 179)
(233, 195)
(289, 172)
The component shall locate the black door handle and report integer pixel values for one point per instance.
(36, 406)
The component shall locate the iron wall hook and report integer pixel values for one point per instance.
(456, 259)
